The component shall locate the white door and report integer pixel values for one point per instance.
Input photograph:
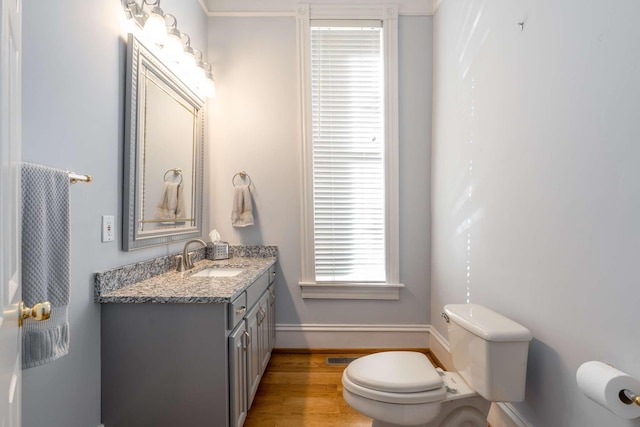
(10, 155)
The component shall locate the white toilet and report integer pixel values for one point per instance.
(402, 388)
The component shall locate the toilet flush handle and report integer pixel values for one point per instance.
(446, 317)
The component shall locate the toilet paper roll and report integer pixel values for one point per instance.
(603, 383)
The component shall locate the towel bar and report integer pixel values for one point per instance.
(74, 177)
(176, 171)
(242, 175)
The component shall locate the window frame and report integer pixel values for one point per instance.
(350, 290)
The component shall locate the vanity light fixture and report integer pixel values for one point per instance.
(208, 86)
(176, 46)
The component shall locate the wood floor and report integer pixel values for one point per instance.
(302, 390)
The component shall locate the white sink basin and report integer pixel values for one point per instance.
(219, 272)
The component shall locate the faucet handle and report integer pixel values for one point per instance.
(180, 263)
(189, 261)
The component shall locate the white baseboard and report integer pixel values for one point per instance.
(505, 415)
(352, 336)
(440, 348)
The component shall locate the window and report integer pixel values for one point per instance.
(350, 154)
(347, 121)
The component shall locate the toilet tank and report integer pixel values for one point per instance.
(489, 351)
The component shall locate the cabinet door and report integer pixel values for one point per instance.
(238, 376)
(272, 317)
(263, 331)
(253, 353)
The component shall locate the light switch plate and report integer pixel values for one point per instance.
(108, 228)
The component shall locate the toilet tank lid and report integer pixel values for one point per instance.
(486, 324)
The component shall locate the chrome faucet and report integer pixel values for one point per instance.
(185, 262)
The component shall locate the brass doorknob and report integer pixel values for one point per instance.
(40, 311)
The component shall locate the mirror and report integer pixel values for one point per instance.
(163, 154)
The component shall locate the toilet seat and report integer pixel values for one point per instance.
(403, 377)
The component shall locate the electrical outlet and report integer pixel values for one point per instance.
(108, 228)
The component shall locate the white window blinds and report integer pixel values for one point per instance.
(348, 146)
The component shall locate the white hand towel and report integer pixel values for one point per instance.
(180, 213)
(46, 240)
(168, 204)
(242, 210)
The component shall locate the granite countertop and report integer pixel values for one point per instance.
(182, 287)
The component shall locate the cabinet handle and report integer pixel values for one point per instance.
(241, 310)
(248, 339)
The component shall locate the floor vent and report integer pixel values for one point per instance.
(340, 360)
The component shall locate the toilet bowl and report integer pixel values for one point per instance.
(403, 388)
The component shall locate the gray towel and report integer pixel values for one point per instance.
(45, 261)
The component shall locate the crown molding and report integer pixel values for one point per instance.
(279, 8)
(436, 5)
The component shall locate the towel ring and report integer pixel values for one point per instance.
(176, 171)
(242, 175)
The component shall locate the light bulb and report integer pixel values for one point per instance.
(188, 61)
(198, 75)
(209, 88)
(173, 47)
(154, 26)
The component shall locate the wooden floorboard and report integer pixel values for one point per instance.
(301, 390)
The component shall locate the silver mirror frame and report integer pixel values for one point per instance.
(139, 56)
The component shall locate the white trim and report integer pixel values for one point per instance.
(260, 8)
(204, 7)
(384, 291)
(440, 348)
(306, 185)
(388, 13)
(436, 5)
(345, 336)
(254, 14)
(442, 341)
(513, 415)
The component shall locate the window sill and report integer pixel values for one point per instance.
(383, 291)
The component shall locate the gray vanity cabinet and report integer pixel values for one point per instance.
(253, 339)
(167, 365)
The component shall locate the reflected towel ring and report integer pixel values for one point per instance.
(176, 171)
(242, 175)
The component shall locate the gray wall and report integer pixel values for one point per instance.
(254, 126)
(73, 99)
(535, 185)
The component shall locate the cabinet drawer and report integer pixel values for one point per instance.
(255, 291)
(237, 310)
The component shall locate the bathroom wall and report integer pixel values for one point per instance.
(255, 127)
(535, 190)
(73, 100)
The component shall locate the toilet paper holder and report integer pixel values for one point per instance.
(609, 387)
(628, 397)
